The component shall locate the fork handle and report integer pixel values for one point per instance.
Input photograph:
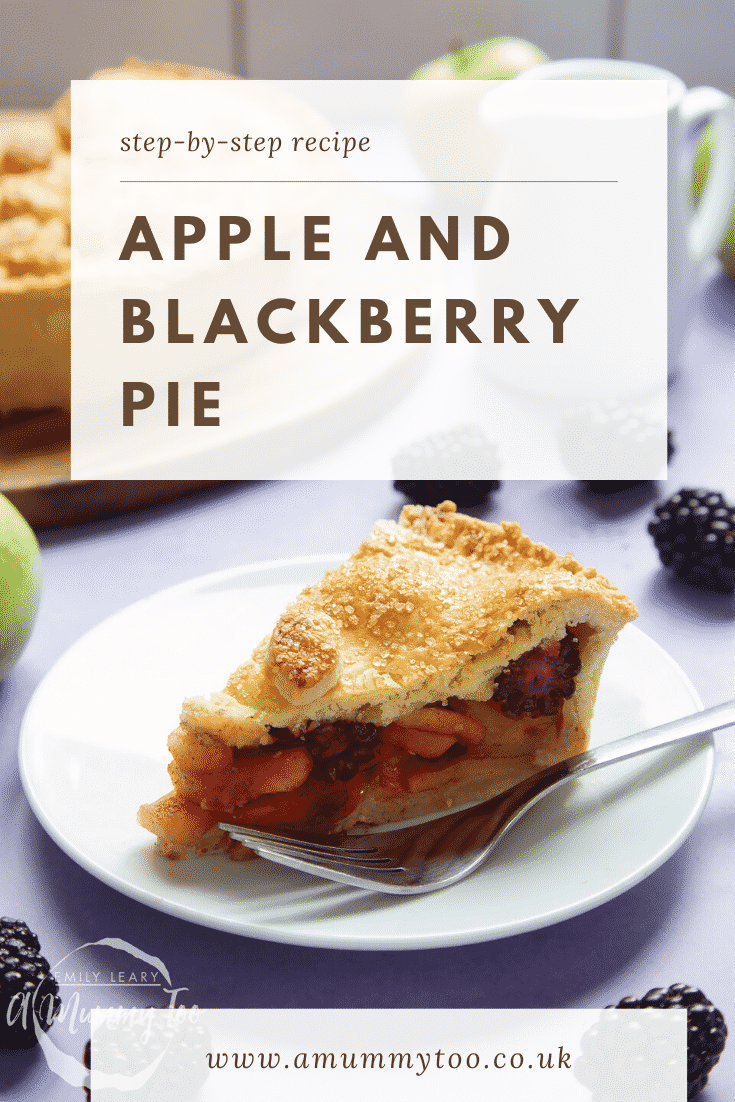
(678, 730)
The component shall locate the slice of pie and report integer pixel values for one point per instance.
(446, 660)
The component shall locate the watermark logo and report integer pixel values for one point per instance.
(130, 1044)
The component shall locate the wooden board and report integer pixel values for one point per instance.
(76, 502)
(34, 475)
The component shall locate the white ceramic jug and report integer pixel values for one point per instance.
(693, 235)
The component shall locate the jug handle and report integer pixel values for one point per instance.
(716, 205)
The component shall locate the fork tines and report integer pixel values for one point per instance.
(355, 856)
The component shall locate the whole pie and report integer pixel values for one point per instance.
(35, 272)
(446, 660)
(35, 186)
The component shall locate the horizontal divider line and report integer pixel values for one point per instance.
(369, 181)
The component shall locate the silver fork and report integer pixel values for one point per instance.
(431, 855)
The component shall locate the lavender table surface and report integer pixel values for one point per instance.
(677, 925)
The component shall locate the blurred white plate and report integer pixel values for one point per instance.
(93, 748)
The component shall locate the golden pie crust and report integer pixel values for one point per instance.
(34, 268)
(35, 278)
(411, 635)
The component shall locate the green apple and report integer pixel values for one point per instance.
(440, 113)
(493, 59)
(20, 583)
(701, 170)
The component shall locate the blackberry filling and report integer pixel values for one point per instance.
(339, 749)
(539, 681)
(534, 685)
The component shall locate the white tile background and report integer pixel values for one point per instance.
(45, 43)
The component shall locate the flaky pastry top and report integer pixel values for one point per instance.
(35, 188)
(429, 607)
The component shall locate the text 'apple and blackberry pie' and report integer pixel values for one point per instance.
(446, 660)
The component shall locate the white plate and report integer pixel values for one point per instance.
(93, 747)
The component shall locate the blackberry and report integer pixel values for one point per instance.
(607, 437)
(463, 493)
(706, 1029)
(620, 485)
(132, 1044)
(613, 487)
(27, 988)
(463, 450)
(341, 748)
(694, 533)
(536, 683)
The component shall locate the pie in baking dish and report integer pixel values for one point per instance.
(447, 659)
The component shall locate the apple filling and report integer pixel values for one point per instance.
(315, 777)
